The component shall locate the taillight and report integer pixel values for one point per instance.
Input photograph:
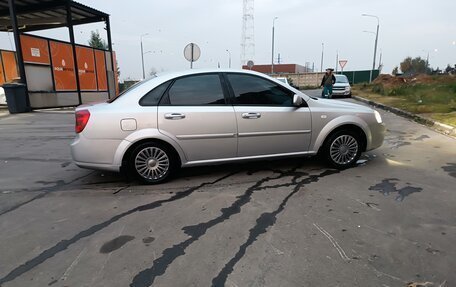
(82, 118)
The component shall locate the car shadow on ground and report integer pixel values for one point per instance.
(185, 176)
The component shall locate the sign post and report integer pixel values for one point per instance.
(192, 53)
(342, 64)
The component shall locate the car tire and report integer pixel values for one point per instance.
(342, 149)
(152, 163)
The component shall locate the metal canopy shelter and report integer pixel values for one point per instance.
(20, 16)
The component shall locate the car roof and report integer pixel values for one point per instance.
(176, 74)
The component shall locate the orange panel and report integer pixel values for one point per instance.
(2, 76)
(10, 65)
(101, 70)
(35, 50)
(63, 66)
(86, 69)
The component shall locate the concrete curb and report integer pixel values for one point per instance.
(443, 128)
(4, 112)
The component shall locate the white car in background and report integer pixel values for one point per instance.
(342, 87)
(2, 96)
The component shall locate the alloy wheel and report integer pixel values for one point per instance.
(343, 149)
(152, 163)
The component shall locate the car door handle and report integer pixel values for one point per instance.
(174, 116)
(251, 115)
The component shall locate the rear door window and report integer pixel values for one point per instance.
(196, 90)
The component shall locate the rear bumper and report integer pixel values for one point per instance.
(97, 166)
(94, 153)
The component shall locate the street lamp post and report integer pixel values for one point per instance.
(376, 41)
(370, 73)
(427, 59)
(337, 59)
(142, 56)
(322, 51)
(144, 63)
(272, 58)
(229, 59)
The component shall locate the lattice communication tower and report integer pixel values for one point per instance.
(248, 36)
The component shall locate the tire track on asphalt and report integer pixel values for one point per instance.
(147, 276)
(64, 244)
(263, 222)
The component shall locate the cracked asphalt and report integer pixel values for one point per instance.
(390, 221)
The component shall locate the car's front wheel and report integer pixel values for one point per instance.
(152, 163)
(343, 149)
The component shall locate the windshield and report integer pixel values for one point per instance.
(341, 79)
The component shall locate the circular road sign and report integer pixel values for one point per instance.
(250, 64)
(192, 52)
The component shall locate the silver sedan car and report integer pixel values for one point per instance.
(216, 116)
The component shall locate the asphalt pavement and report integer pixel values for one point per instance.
(390, 221)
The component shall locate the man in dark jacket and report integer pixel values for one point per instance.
(327, 83)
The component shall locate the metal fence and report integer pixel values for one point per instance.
(356, 77)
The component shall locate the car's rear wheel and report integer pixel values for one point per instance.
(152, 163)
(343, 149)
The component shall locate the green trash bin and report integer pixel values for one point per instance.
(16, 98)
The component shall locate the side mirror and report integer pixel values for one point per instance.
(297, 101)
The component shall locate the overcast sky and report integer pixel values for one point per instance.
(407, 28)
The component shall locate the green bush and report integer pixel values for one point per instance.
(452, 88)
(378, 89)
(398, 91)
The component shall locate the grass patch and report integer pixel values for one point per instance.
(449, 118)
(437, 100)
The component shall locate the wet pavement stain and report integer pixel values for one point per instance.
(265, 221)
(406, 191)
(64, 244)
(115, 244)
(397, 139)
(65, 164)
(422, 137)
(159, 266)
(147, 276)
(44, 191)
(450, 168)
(148, 240)
(388, 186)
(400, 144)
(396, 132)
